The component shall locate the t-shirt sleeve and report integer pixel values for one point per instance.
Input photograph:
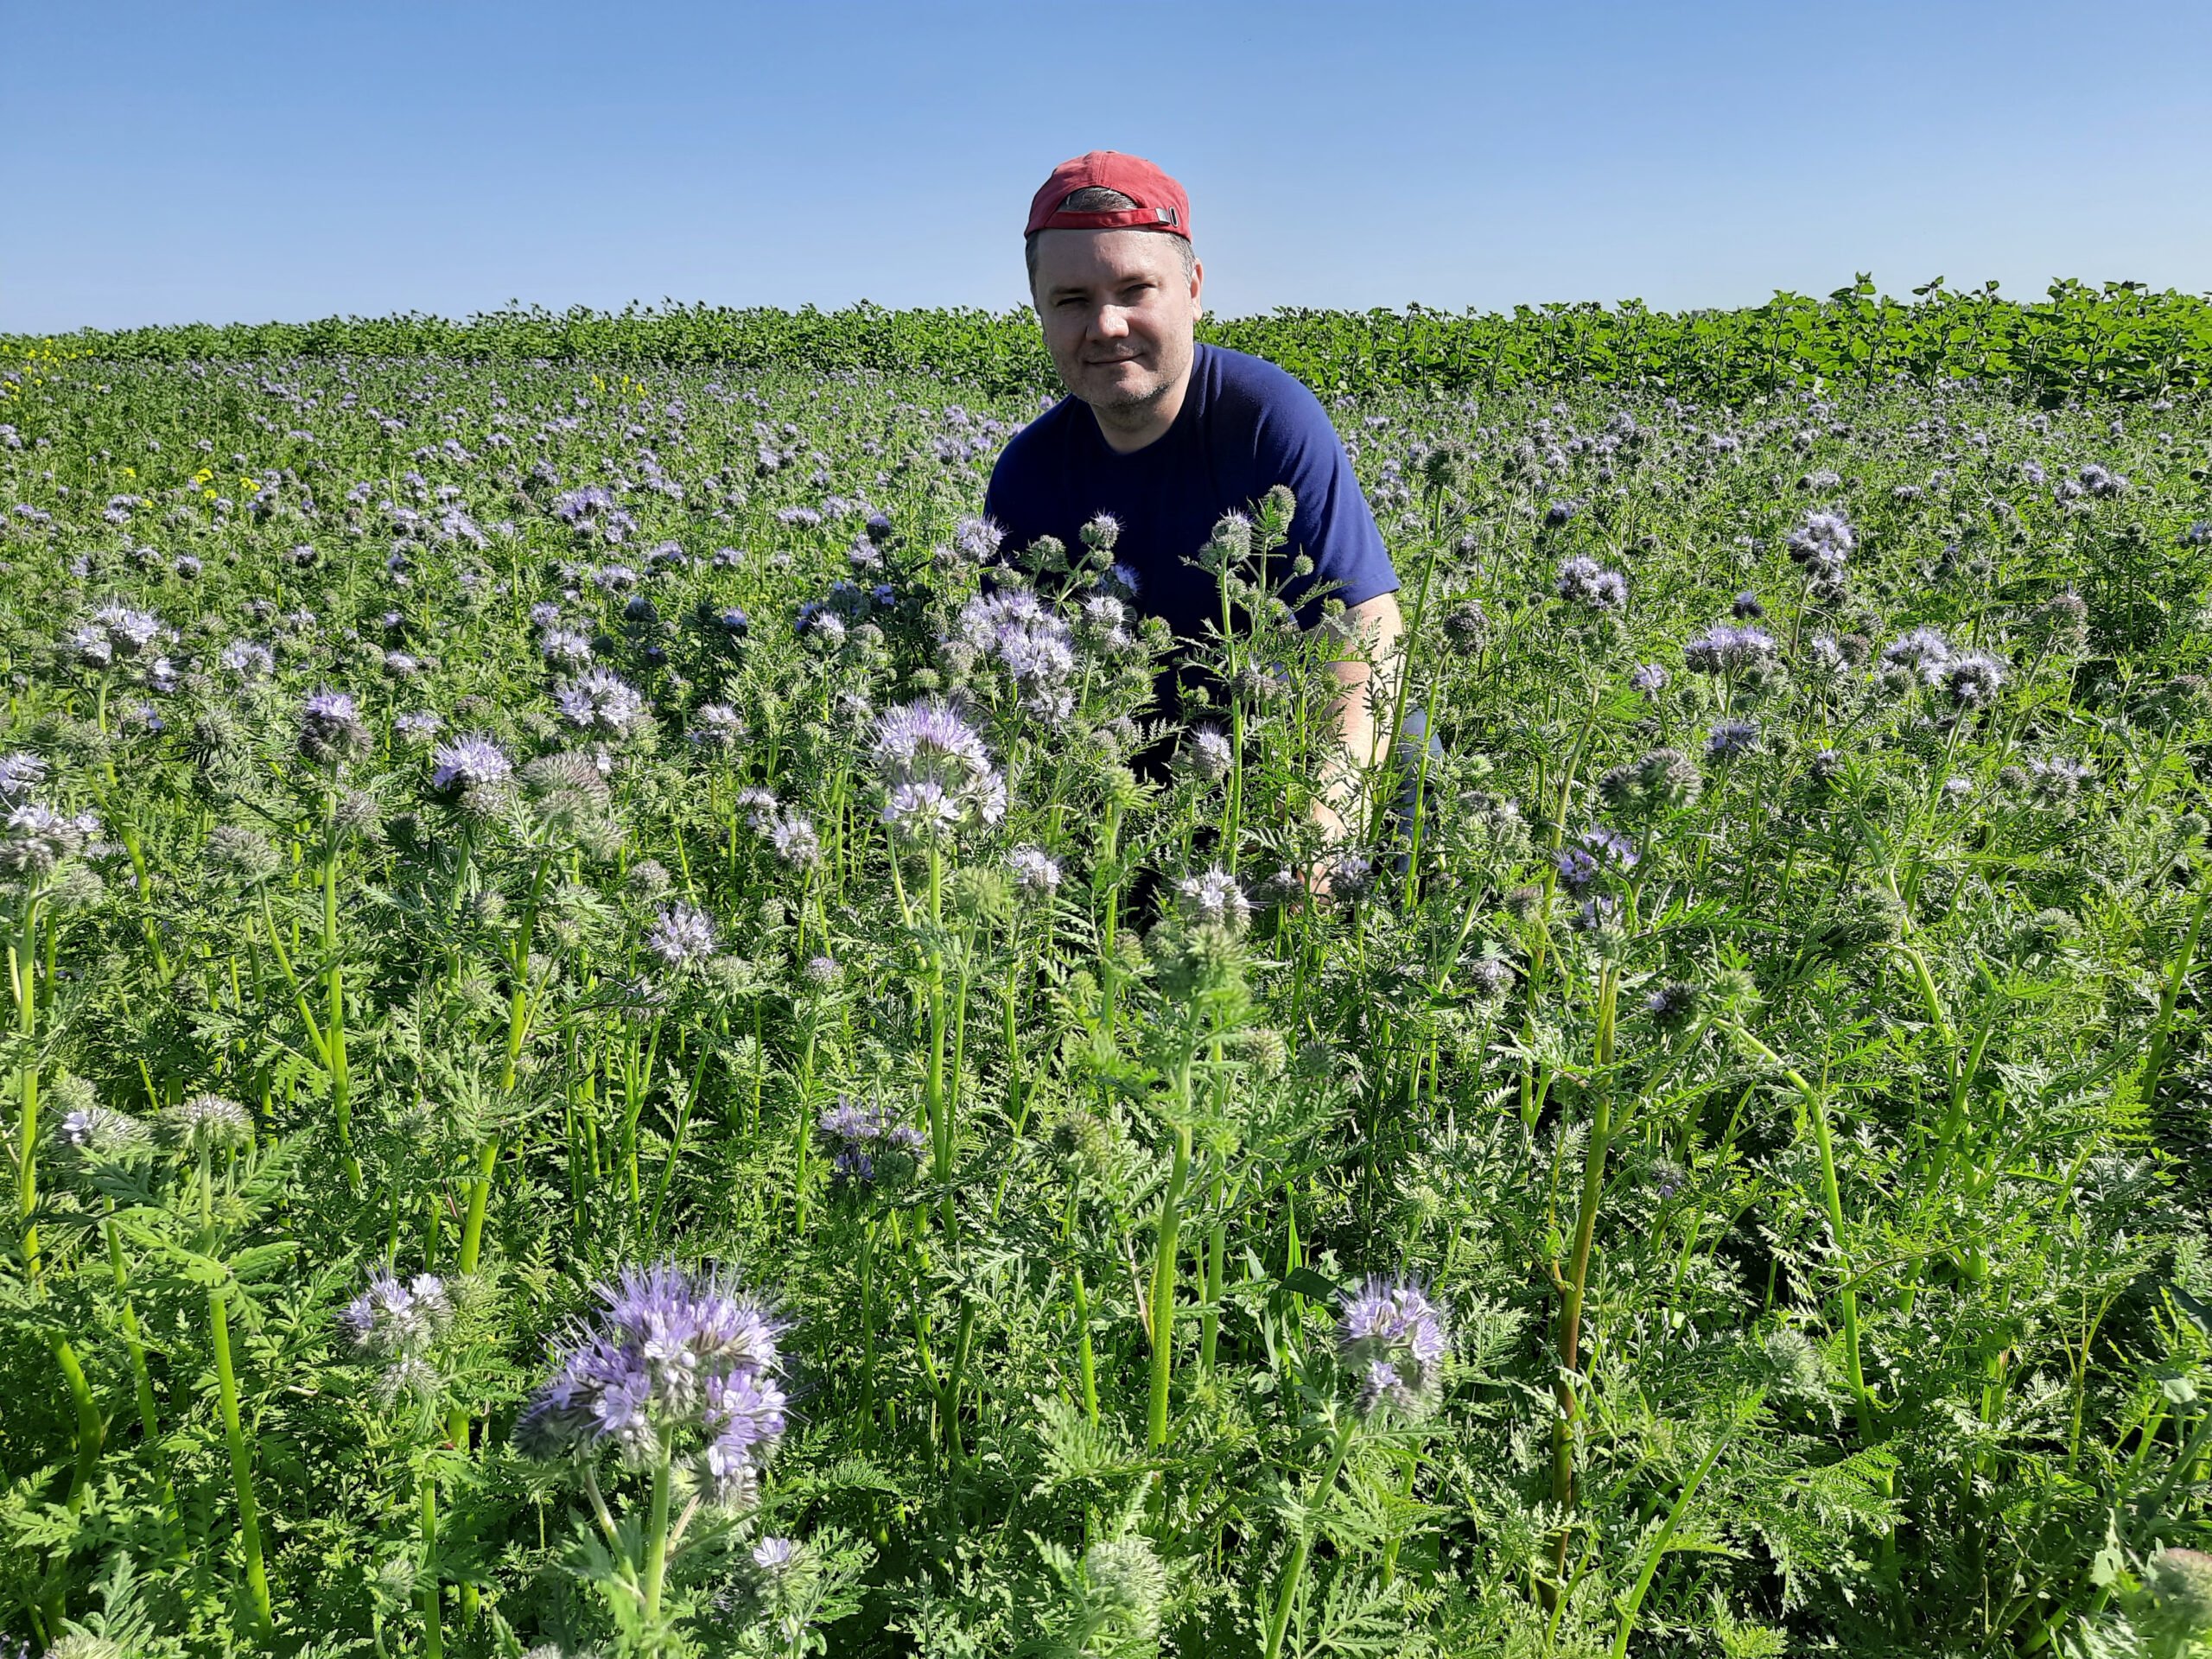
(1333, 526)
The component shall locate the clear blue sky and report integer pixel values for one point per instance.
(203, 161)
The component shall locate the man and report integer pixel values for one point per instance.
(1166, 436)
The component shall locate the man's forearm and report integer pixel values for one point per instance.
(1366, 673)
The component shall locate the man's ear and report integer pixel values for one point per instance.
(1197, 288)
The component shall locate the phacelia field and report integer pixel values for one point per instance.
(615, 1045)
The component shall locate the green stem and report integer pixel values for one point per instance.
(433, 1622)
(1658, 1549)
(1287, 1593)
(657, 1539)
(1576, 1284)
(219, 1329)
(1163, 1277)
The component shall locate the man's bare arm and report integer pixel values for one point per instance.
(1366, 670)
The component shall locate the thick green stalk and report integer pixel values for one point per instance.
(341, 1092)
(1575, 1286)
(1657, 1550)
(1163, 1275)
(1832, 1195)
(2155, 1064)
(1287, 1592)
(257, 1574)
(518, 1007)
(656, 1572)
(434, 1644)
(149, 1422)
(1086, 1360)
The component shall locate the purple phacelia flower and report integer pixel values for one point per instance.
(474, 761)
(1583, 580)
(678, 1363)
(1731, 738)
(682, 936)
(1395, 1339)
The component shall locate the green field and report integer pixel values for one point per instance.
(1724, 1174)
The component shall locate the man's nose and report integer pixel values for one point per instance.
(1111, 323)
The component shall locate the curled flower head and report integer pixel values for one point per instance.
(100, 1133)
(1208, 755)
(775, 1556)
(1663, 779)
(1922, 653)
(1972, 681)
(35, 838)
(937, 775)
(976, 540)
(206, 1123)
(1583, 580)
(1036, 648)
(1035, 870)
(1724, 648)
(565, 647)
(1213, 896)
(719, 727)
(331, 728)
(1675, 1004)
(247, 658)
(1597, 851)
(1490, 977)
(1395, 1339)
(1821, 544)
(20, 773)
(602, 702)
(396, 1323)
(1730, 739)
(129, 632)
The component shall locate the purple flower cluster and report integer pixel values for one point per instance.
(861, 1133)
(937, 775)
(474, 761)
(681, 936)
(1729, 738)
(1035, 871)
(1820, 545)
(1212, 896)
(1036, 648)
(1923, 653)
(600, 701)
(1396, 1339)
(1597, 851)
(396, 1326)
(678, 1363)
(331, 728)
(1726, 648)
(1583, 580)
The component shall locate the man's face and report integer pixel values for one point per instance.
(1118, 314)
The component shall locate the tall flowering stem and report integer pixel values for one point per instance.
(1574, 1286)
(1394, 1340)
(677, 1368)
(23, 979)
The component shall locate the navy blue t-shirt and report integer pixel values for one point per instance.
(1245, 426)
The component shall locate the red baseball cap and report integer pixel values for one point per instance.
(1161, 203)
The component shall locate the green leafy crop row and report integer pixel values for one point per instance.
(2120, 340)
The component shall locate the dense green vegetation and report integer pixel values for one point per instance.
(2119, 340)
(1723, 1173)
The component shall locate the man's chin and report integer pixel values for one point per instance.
(1123, 395)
